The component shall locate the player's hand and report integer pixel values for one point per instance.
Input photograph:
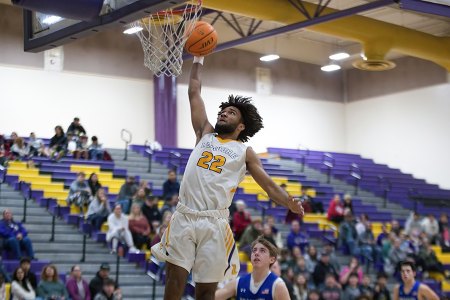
(295, 205)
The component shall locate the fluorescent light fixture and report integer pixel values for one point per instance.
(339, 56)
(133, 29)
(269, 57)
(330, 68)
(363, 56)
(49, 20)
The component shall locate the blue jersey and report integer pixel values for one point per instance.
(264, 292)
(413, 293)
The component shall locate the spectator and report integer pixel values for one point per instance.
(143, 184)
(275, 268)
(323, 268)
(241, 219)
(98, 210)
(15, 236)
(71, 143)
(336, 210)
(25, 265)
(58, 144)
(19, 149)
(314, 295)
(396, 255)
(383, 235)
(306, 201)
(366, 287)
(348, 203)
(76, 286)
(95, 149)
(361, 224)
(428, 260)
(37, 147)
(109, 292)
(96, 284)
(127, 191)
(276, 234)
(139, 227)
(159, 232)
(396, 228)
(443, 220)
(348, 237)
(50, 287)
(21, 288)
(351, 291)
(413, 223)
(250, 234)
(380, 291)
(368, 245)
(444, 239)
(139, 198)
(352, 268)
(79, 193)
(311, 258)
(94, 184)
(171, 186)
(2, 287)
(118, 230)
(76, 128)
(151, 212)
(301, 287)
(431, 227)
(268, 234)
(296, 238)
(170, 205)
(332, 290)
(82, 148)
(329, 248)
(300, 267)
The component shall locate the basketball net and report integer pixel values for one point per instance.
(164, 35)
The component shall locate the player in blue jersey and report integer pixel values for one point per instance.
(410, 288)
(261, 284)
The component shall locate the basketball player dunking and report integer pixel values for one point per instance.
(198, 237)
(411, 289)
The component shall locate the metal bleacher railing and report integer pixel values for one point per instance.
(127, 137)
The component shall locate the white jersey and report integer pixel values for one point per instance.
(213, 172)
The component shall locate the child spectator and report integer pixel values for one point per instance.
(95, 149)
(332, 290)
(37, 147)
(351, 291)
(380, 291)
(82, 150)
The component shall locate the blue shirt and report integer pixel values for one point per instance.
(413, 293)
(264, 292)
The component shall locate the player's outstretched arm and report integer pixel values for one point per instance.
(427, 293)
(228, 291)
(281, 292)
(277, 194)
(395, 296)
(198, 113)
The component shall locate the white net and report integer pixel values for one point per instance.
(164, 35)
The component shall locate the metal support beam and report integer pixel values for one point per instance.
(426, 7)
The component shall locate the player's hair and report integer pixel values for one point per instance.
(273, 250)
(251, 118)
(408, 263)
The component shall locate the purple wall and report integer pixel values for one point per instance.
(165, 94)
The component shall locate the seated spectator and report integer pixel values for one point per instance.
(268, 234)
(383, 235)
(170, 205)
(15, 236)
(19, 149)
(313, 295)
(158, 235)
(444, 239)
(348, 204)
(396, 228)
(331, 290)
(306, 201)
(71, 143)
(431, 228)
(21, 288)
(428, 260)
(96, 284)
(366, 287)
(300, 267)
(241, 219)
(171, 186)
(381, 291)
(396, 255)
(82, 150)
(151, 212)
(352, 268)
(25, 265)
(126, 193)
(95, 149)
(109, 292)
(77, 287)
(443, 220)
(94, 184)
(2, 287)
(79, 193)
(58, 144)
(329, 248)
(351, 291)
(348, 237)
(37, 147)
(270, 220)
(361, 224)
(296, 238)
(50, 287)
(413, 223)
(301, 287)
(321, 270)
(368, 245)
(76, 128)
(98, 210)
(119, 230)
(311, 258)
(143, 184)
(139, 198)
(336, 210)
(139, 227)
(251, 233)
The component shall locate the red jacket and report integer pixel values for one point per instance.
(240, 221)
(335, 209)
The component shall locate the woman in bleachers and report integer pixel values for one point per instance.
(348, 203)
(19, 149)
(139, 198)
(143, 184)
(119, 230)
(21, 288)
(50, 287)
(353, 267)
(98, 210)
(94, 184)
(336, 210)
(139, 227)
(311, 258)
(300, 287)
(77, 287)
(58, 144)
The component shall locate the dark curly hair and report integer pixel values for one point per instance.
(251, 118)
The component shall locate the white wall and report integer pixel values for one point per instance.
(37, 100)
(408, 130)
(288, 121)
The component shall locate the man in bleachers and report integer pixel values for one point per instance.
(76, 128)
(296, 238)
(15, 236)
(126, 193)
(96, 284)
(25, 265)
(323, 268)
(348, 237)
(152, 213)
(368, 245)
(331, 288)
(241, 219)
(396, 228)
(413, 223)
(383, 235)
(431, 227)
(250, 234)
(171, 186)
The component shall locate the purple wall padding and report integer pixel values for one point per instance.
(165, 92)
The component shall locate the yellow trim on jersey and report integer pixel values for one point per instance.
(167, 234)
(223, 141)
(229, 240)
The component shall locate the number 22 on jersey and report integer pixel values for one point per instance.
(211, 162)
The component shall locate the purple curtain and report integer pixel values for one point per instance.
(165, 92)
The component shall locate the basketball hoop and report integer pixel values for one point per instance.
(164, 35)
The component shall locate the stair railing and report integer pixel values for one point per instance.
(386, 185)
(304, 152)
(356, 172)
(328, 161)
(127, 137)
(25, 189)
(177, 156)
(149, 151)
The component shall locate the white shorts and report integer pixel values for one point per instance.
(201, 241)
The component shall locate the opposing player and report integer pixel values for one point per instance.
(261, 283)
(198, 237)
(411, 289)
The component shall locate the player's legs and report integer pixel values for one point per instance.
(176, 278)
(205, 291)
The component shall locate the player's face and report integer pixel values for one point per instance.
(228, 120)
(261, 256)
(407, 273)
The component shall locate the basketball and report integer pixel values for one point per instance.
(202, 41)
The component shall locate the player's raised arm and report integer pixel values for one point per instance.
(276, 193)
(199, 120)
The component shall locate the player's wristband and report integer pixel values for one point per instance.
(199, 59)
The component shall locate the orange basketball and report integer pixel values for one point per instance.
(202, 41)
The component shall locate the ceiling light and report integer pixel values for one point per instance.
(49, 20)
(269, 57)
(133, 29)
(339, 56)
(330, 68)
(363, 56)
